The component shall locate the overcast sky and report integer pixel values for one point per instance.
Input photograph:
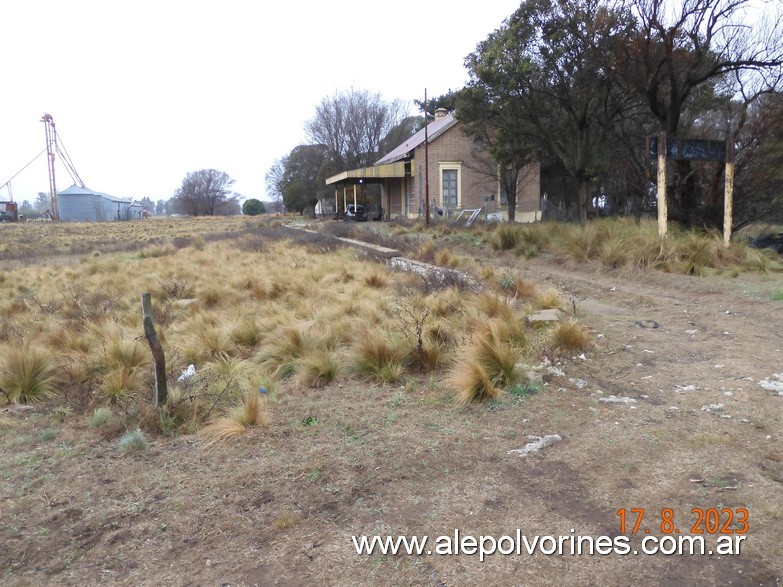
(143, 92)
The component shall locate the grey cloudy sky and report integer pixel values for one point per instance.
(143, 92)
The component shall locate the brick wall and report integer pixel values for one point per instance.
(477, 176)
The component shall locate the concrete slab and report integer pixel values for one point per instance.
(549, 315)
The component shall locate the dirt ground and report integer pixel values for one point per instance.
(280, 507)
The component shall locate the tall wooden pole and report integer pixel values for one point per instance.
(663, 209)
(728, 196)
(426, 165)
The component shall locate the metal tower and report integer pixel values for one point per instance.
(51, 147)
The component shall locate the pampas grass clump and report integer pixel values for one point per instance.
(251, 411)
(549, 298)
(378, 359)
(505, 237)
(127, 354)
(496, 356)
(121, 383)
(472, 383)
(571, 335)
(246, 333)
(319, 369)
(27, 375)
(283, 349)
(376, 280)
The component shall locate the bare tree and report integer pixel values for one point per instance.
(206, 193)
(540, 81)
(352, 124)
(495, 157)
(275, 179)
(689, 47)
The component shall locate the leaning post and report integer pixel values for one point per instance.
(161, 389)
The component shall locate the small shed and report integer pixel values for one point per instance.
(79, 204)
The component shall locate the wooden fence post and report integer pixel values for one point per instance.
(728, 195)
(663, 208)
(161, 389)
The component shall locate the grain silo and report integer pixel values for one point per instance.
(79, 204)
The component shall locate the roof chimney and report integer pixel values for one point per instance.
(440, 113)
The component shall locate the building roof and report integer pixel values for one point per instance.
(435, 128)
(76, 190)
(385, 171)
(393, 164)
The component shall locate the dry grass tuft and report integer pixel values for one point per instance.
(571, 335)
(613, 252)
(445, 303)
(210, 343)
(319, 369)
(429, 359)
(121, 384)
(549, 298)
(246, 333)
(377, 280)
(445, 258)
(524, 289)
(127, 354)
(250, 412)
(281, 352)
(505, 237)
(28, 375)
(496, 356)
(212, 296)
(472, 383)
(379, 359)
(493, 305)
(578, 243)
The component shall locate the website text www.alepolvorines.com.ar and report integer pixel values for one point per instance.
(573, 544)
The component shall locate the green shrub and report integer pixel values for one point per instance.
(133, 441)
(100, 417)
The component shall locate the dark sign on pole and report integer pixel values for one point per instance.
(689, 149)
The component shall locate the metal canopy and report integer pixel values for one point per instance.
(398, 169)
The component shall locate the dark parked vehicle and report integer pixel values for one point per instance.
(356, 213)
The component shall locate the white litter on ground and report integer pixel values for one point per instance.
(712, 408)
(613, 399)
(187, 373)
(538, 443)
(775, 386)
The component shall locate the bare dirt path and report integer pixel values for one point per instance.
(697, 431)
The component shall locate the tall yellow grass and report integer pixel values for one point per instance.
(250, 305)
(619, 243)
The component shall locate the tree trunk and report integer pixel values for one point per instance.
(685, 195)
(583, 185)
(512, 207)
